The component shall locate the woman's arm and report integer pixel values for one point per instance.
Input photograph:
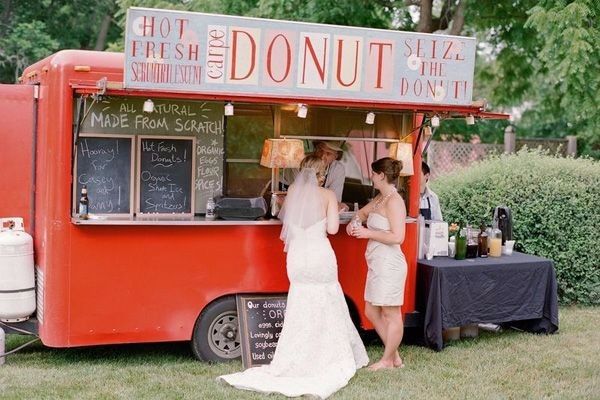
(396, 214)
(333, 216)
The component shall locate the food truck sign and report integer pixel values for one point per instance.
(217, 54)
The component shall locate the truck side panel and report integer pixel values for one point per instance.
(16, 152)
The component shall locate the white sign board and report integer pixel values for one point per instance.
(216, 54)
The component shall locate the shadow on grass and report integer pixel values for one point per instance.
(122, 354)
(412, 336)
(155, 354)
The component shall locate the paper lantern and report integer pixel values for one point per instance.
(282, 153)
(404, 153)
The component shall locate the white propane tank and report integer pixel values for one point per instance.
(17, 277)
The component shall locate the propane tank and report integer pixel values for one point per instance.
(17, 278)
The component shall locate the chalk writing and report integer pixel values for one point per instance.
(201, 120)
(165, 175)
(104, 166)
(261, 320)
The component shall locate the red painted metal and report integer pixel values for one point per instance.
(16, 152)
(122, 283)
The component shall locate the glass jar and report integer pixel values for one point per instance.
(495, 242)
(472, 245)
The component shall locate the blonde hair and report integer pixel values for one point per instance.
(315, 162)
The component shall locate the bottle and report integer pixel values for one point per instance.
(356, 222)
(84, 203)
(210, 208)
(461, 244)
(495, 242)
(482, 242)
(488, 230)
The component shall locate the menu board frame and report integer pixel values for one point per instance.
(139, 139)
(75, 195)
(242, 303)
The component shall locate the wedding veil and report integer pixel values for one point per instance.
(303, 205)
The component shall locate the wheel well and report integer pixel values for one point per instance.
(216, 299)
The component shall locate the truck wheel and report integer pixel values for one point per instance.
(216, 334)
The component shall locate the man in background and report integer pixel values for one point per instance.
(429, 206)
(335, 174)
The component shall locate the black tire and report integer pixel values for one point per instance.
(216, 335)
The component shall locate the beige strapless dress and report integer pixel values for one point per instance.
(387, 268)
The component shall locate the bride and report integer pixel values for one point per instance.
(319, 349)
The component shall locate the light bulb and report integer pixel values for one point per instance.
(435, 121)
(370, 118)
(302, 111)
(148, 106)
(229, 109)
(470, 119)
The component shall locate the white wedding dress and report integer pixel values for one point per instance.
(319, 349)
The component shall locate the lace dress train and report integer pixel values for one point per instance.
(319, 349)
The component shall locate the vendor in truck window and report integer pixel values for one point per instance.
(429, 206)
(335, 175)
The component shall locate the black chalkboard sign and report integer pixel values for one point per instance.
(105, 165)
(260, 320)
(166, 175)
(114, 115)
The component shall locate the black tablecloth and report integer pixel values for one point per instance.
(519, 289)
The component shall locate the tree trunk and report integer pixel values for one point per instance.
(103, 33)
(458, 20)
(426, 17)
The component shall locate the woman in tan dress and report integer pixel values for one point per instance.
(384, 290)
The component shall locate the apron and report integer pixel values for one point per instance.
(426, 212)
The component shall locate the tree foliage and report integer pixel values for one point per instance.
(538, 55)
(31, 30)
(543, 56)
(28, 42)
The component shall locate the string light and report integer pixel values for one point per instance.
(148, 106)
(229, 109)
(302, 111)
(370, 118)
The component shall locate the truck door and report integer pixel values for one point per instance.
(17, 157)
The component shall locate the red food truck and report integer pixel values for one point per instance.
(182, 116)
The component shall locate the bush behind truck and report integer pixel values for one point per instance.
(555, 209)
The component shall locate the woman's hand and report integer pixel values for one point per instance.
(349, 228)
(360, 232)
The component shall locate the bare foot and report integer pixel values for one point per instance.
(381, 365)
(398, 361)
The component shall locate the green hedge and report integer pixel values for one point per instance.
(555, 204)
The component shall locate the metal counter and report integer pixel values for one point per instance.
(181, 221)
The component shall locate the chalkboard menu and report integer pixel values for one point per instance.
(105, 165)
(261, 320)
(201, 120)
(166, 174)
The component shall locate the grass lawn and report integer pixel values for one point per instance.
(506, 365)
